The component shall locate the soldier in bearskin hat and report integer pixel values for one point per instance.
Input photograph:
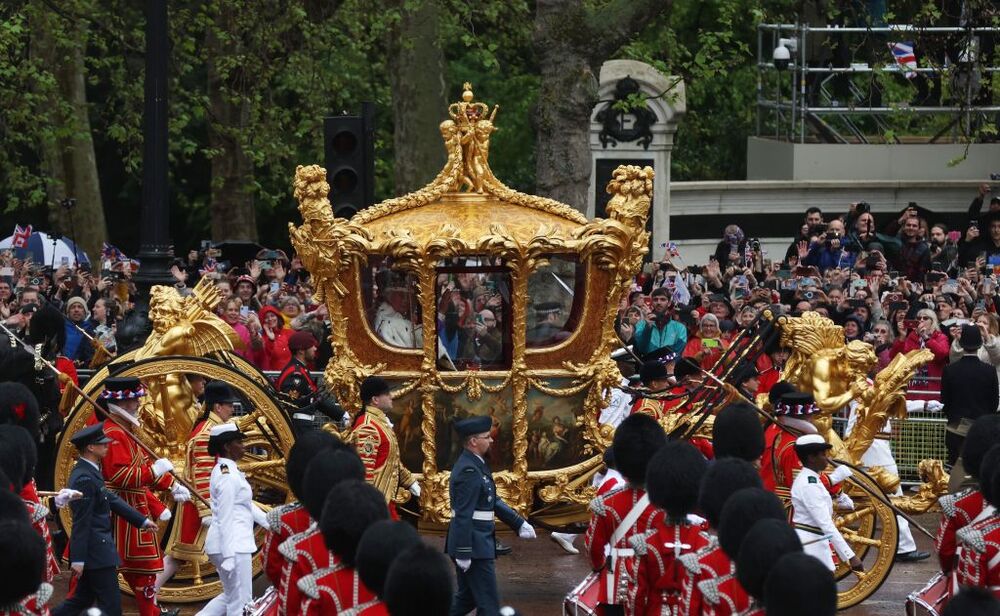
(799, 584)
(767, 542)
(419, 583)
(379, 547)
(351, 508)
(738, 433)
(672, 482)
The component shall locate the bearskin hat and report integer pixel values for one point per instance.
(762, 547)
(12, 461)
(800, 584)
(972, 601)
(738, 433)
(12, 507)
(419, 583)
(306, 447)
(983, 434)
(988, 473)
(47, 327)
(23, 564)
(351, 507)
(673, 478)
(326, 470)
(724, 478)
(29, 450)
(744, 509)
(19, 406)
(636, 440)
(379, 546)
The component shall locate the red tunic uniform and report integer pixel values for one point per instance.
(306, 553)
(129, 473)
(660, 576)
(32, 605)
(958, 511)
(979, 555)
(375, 441)
(37, 512)
(608, 512)
(187, 535)
(338, 590)
(711, 588)
(779, 461)
(658, 409)
(284, 521)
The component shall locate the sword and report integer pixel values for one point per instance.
(41, 361)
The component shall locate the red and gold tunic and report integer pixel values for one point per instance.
(658, 409)
(957, 511)
(306, 553)
(375, 442)
(37, 513)
(187, 535)
(711, 588)
(660, 576)
(607, 514)
(337, 589)
(129, 473)
(979, 555)
(283, 521)
(780, 464)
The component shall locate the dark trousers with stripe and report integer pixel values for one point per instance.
(477, 588)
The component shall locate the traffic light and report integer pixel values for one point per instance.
(350, 160)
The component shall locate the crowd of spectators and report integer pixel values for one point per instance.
(910, 283)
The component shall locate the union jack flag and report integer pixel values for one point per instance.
(110, 253)
(671, 249)
(21, 235)
(210, 266)
(904, 56)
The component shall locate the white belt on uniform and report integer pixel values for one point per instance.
(303, 416)
(482, 516)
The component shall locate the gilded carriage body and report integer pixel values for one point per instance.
(474, 299)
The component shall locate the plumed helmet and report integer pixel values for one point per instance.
(800, 584)
(724, 478)
(636, 440)
(419, 583)
(762, 547)
(325, 471)
(379, 546)
(351, 507)
(738, 433)
(673, 478)
(744, 509)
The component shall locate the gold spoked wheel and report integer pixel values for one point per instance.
(873, 533)
(269, 437)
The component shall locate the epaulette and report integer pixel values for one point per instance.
(38, 512)
(690, 562)
(598, 507)
(224, 469)
(638, 542)
(973, 537)
(287, 548)
(949, 502)
(710, 590)
(274, 516)
(45, 592)
(307, 583)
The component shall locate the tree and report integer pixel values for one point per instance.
(572, 39)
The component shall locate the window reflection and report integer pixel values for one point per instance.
(392, 303)
(473, 320)
(555, 293)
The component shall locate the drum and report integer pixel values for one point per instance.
(582, 600)
(931, 599)
(265, 605)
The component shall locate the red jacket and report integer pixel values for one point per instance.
(276, 353)
(711, 569)
(957, 511)
(927, 378)
(284, 521)
(660, 576)
(305, 553)
(338, 590)
(979, 549)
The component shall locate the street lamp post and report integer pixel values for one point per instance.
(155, 247)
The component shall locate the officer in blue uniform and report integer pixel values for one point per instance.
(92, 552)
(471, 534)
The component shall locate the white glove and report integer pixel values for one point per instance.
(206, 521)
(840, 473)
(65, 496)
(934, 406)
(181, 494)
(844, 502)
(150, 525)
(415, 489)
(162, 466)
(463, 563)
(166, 515)
(527, 531)
(228, 564)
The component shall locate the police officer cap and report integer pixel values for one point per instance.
(91, 435)
(300, 341)
(473, 425)
(800, 584)
(373, 386)
(220, 435)
(811, 443)
(653, 371)
(217, 392)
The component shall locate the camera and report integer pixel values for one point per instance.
(782, 54)
(755, 244)
(808, 295)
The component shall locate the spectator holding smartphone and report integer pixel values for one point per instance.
(707, 346)
(658, 329)
(924, 333)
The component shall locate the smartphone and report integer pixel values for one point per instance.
(244, 311)
(274, 286)
(783, 274)
(265, 265)
(710, 343)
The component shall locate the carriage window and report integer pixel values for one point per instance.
(392, 304)
(555, 301)
(473, 318)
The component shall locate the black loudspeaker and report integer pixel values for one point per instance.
(349, 144)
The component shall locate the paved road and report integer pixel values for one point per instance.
(538, 575)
